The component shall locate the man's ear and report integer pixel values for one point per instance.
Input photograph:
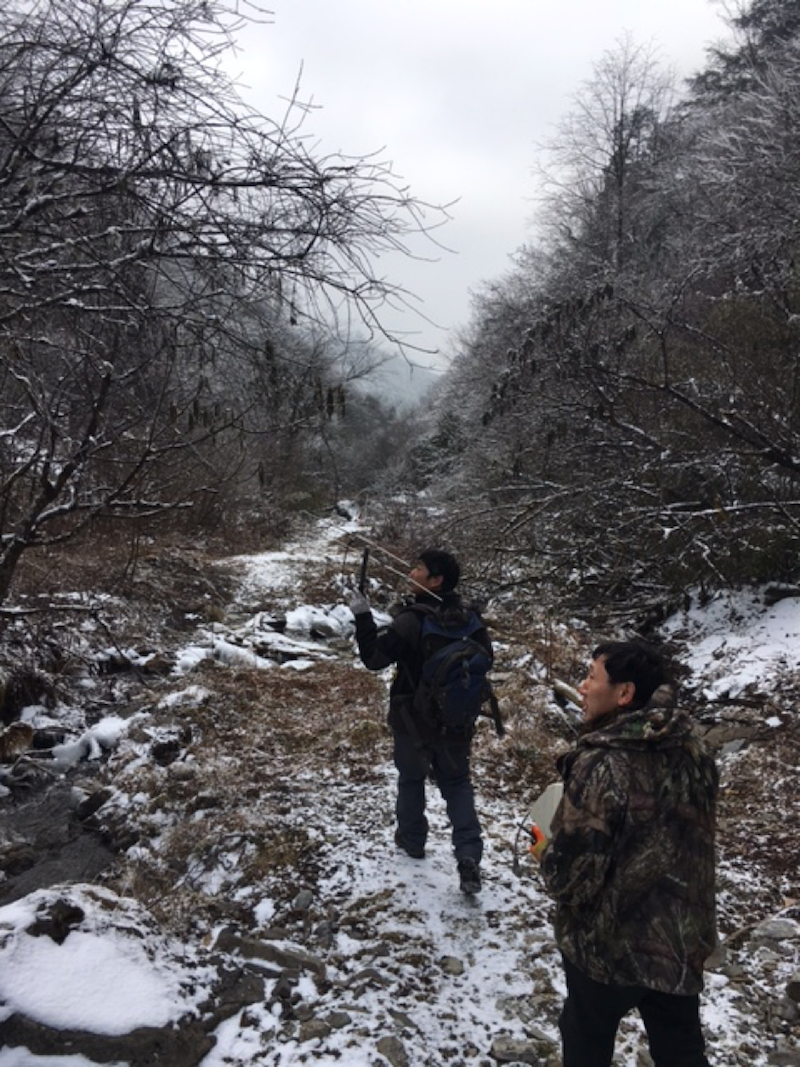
(627, 691)
(435, 584)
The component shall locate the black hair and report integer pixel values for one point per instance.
(633, 661)
(441, 563)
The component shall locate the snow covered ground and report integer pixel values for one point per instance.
(412, 968)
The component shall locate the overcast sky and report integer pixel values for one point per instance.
(456, 94)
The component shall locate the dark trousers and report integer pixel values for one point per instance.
(449, 767)
(592, 1013)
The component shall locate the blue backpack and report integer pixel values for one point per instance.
(454, 688)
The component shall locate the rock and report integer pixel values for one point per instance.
(776, 591)
(166, 751)
(314, 1029)
(339, 1019)
(451, 965)
(793, 988)
(276, 933)
(303, 900)
(234, 991)
(58, 922)
(394, 1051)
(718, 958)
(369, 977)
(283, 989)
(730, 748)
(515, 1050)
(183, 1044)
(777, 930)
(786, 1009)
(324, 934)
(287, 958)
(89, 803)
(785, 1058)
(403, 1019)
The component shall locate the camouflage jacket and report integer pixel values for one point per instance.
(630, 861)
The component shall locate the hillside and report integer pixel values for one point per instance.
(197, 855)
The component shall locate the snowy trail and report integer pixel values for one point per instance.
(273, 818)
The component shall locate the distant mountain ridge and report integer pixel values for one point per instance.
(401, 383)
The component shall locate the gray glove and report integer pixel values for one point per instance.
(359, 605)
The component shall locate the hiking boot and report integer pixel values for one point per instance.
(469, 874)
(416, 852)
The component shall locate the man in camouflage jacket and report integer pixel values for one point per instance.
(630, 864)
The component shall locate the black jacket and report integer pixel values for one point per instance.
(399, 643)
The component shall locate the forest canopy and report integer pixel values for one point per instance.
(622, 415)
(624, 411)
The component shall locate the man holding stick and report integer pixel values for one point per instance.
(420, 749)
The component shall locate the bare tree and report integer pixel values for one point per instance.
(641, 430)
(605, 149)
(143, 209)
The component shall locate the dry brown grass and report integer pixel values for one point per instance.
(235, 797)
(146, 571)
